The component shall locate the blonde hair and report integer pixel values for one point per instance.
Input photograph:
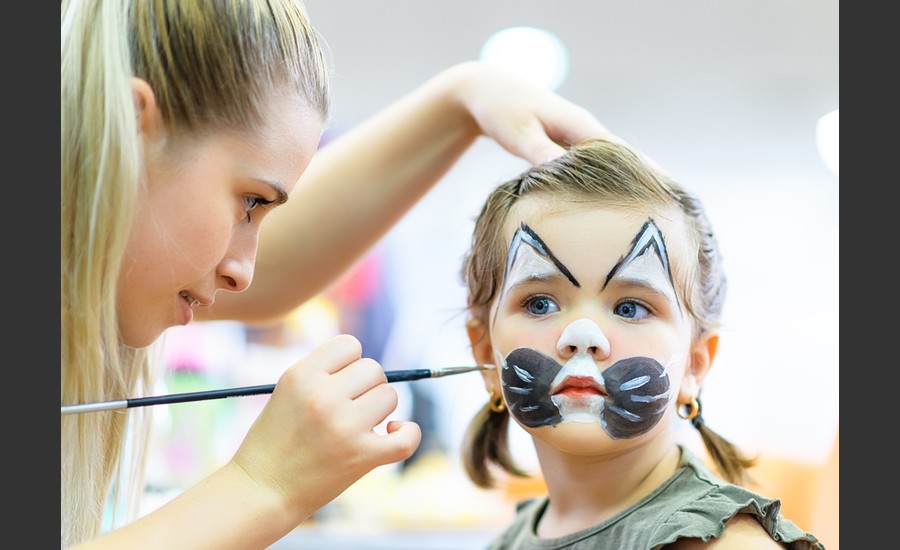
(602, 173)
(212, 65)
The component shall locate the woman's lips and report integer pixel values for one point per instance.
(575, 386)
(187, 312)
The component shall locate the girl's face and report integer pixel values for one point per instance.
(589, 330)
(198, 217)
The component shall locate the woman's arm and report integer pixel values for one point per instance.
(358, 186)
(314, 438)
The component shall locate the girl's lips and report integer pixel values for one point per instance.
(580, 385)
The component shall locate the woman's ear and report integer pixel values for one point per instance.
(149, 118)
(703, 352)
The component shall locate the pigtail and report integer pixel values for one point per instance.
(730, 461)
(486, 442)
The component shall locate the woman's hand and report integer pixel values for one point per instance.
(528, 121)
(316, 436)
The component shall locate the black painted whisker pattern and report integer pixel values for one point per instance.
(637, 391)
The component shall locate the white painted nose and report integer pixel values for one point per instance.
(583, 337)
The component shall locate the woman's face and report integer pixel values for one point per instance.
(198, 218)
(588, 329)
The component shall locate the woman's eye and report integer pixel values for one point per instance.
(541, 305)
(253, 202)
(631, 310)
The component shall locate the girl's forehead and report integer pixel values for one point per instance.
(579, 221)
(571, 230)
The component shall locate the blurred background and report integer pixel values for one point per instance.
(738, 101)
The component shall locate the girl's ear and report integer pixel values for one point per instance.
(149, 117)
(483, 352)
(480, 339)
(703, 352)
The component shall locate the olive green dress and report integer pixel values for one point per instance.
(693, 503)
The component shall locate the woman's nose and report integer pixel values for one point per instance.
(235, 275)
(235, 271)
(583, 337)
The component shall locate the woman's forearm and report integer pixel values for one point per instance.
(226, 510)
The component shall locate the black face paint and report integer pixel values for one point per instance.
(637, 392)
(649, 237)
(526, 377)
(526, 236)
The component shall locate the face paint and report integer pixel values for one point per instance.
(528, 258)
(647, 263)
(577, 389)
(629, 399)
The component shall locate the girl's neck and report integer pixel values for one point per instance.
(587, 490)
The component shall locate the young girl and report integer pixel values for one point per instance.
(183, 124)
(595, 287)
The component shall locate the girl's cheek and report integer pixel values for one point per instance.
(511, 336)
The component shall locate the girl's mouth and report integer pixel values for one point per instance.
(577, 386)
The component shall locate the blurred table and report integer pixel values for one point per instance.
(322, 539)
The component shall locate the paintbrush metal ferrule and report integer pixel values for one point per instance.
(447, 371)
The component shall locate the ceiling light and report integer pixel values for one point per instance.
(533, 53)
(827, 140)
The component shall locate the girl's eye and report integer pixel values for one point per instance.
(631, 310)
(540, 305)
(253, 202)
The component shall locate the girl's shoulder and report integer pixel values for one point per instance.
(741, 531)
(693, 509)
(703, 507)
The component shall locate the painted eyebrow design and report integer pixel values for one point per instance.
(648, 237)
(529, 236)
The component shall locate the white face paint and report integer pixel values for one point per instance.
(528, 265)
(578, 389)
(648, 270)
(527, 259)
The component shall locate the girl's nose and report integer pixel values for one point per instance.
(583, 336)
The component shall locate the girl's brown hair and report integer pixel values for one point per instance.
(609, 174)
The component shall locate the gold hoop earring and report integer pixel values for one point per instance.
(495, 402)
(689, 410)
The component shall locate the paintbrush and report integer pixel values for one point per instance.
(392, 376)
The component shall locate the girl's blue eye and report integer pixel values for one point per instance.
(541, 305)
(631, 310)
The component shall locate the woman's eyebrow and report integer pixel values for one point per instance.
(281, 195)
